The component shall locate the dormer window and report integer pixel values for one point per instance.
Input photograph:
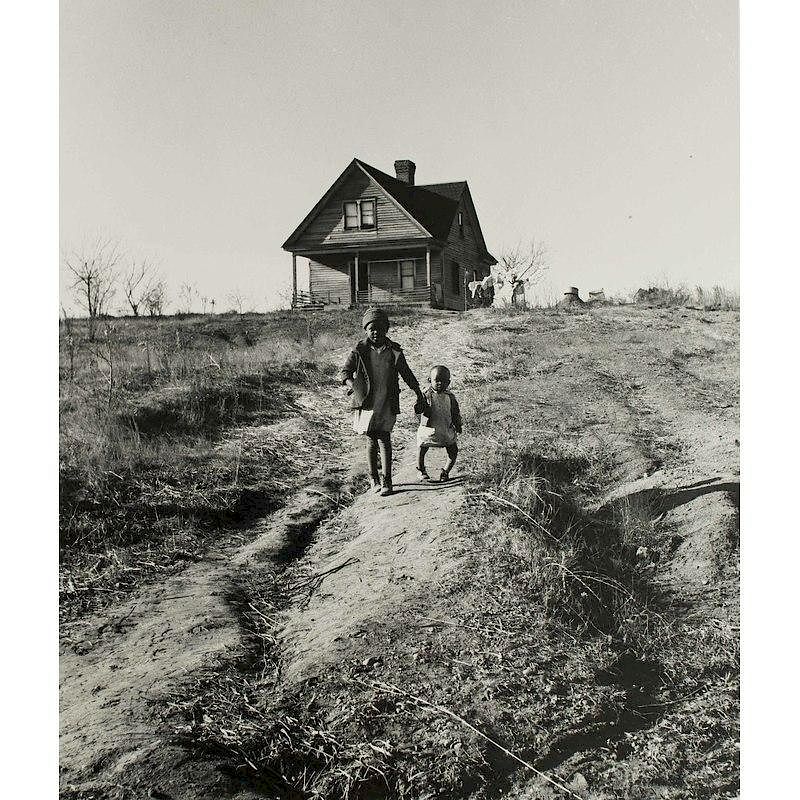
(367, 213)
(359, 215)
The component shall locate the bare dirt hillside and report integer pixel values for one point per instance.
(560, 619)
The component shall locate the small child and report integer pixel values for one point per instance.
(441, 422)
(371, 375)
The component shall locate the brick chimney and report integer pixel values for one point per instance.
(405, 169)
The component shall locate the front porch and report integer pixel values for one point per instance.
(396, 276)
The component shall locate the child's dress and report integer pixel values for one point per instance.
(438, 428)
(380, 418)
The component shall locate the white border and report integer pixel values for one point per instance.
(770, 293)
(29, 75)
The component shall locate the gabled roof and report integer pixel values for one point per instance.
(433, 206)
(432, 210)
(452, 190)
(456, 190)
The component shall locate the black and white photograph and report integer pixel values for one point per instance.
(398, 404)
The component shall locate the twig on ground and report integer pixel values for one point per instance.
(386, 687)
(522, 511)
(698, 690)
(318, 577)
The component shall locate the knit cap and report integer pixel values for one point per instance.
(374, 315)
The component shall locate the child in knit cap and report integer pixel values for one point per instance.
(371, 375)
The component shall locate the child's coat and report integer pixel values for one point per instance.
(364, 392)
(440, 424)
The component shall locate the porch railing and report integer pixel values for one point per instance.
(375, 294)
(306, 299)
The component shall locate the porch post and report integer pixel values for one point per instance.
(355, 266)
(350, 285)
(428, 263)
(294, 279)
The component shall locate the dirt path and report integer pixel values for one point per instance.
(687, 393)
(384, 551)
(659, 390)
(117, 666)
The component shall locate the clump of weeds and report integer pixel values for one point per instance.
(155, 456)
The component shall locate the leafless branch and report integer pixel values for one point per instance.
(188, 293)
(93, 267)
(236, 298)
(154, 299)
(528, 262)
(137, 281)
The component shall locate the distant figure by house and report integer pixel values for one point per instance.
(509, 289)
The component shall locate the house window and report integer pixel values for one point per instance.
(460, 224)
(367, 213)
(359, 215)
(350, 216)
(407, 269)
(455, 277)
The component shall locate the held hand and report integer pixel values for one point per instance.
(421, 406)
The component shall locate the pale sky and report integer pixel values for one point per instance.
(201, 133)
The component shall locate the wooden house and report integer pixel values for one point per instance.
(374, 238)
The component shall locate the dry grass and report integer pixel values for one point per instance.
(717, 298)
(550, 645)
(553, 641)
(593, 571)
(151, 461)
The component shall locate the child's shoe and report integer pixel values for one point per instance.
(444, 475)
(423, 474)
(376, 483)
(387, 488)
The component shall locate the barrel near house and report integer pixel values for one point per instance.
(374, 238)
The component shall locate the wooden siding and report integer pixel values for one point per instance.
(330, 284)
(383, 280)
(466, 252)
(327, 228)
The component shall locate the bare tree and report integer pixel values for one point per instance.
(188, 292)
(93, 266)
(526, 262)
(523, 264)
(137, 281)
(69, 340)
(155, 298)
(236, 298)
